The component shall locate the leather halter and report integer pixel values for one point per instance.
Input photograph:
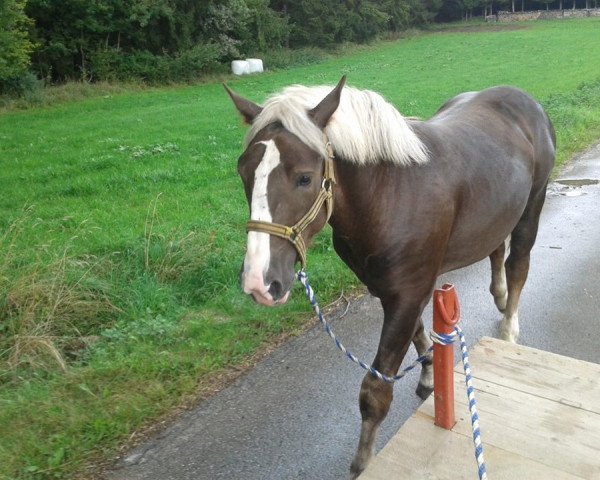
(294, 233)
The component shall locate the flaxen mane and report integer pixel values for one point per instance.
(364, 129)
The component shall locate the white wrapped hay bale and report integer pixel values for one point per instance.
(256, 65)
(240, 67)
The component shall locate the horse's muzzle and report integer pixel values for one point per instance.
(268, 295)
(269, 301)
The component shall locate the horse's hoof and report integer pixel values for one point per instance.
(358, 465)
(355, 470)
(423, 391)
(509, 337)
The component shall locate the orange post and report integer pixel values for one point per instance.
(446, 313)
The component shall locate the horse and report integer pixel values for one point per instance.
(407, 200)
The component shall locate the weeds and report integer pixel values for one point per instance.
(69, 92)
(148, 227)
(49, 308)
(173, 255)
(55, 307)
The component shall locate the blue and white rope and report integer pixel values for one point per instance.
(310, 294)
(447, 339)
(440, 338)
(472, 405)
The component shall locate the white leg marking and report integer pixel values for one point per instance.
(509, 328)
(499, 290)
(258, 252)
(427, 376)
(422, 344)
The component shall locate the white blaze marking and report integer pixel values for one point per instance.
(258, 252)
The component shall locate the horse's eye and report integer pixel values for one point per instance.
(303, 181)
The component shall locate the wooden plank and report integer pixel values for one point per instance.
(539, 415)
(425, 452)
(559, 436)
(551, 376)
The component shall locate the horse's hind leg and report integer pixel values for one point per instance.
(498, 286)
(517, 263)
(422, 344)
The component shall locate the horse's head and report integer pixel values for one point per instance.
(288, 198)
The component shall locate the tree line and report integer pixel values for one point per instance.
(158, 41)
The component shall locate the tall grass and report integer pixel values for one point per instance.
(119, 286)
(51, 306)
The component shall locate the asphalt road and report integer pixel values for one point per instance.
(295, 416)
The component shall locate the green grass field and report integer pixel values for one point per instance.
(122, 231)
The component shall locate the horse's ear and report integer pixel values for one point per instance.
(324, 110)
(247, 109)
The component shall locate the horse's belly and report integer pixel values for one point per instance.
(483, 226)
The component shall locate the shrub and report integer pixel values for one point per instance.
(283, 57)
(191, 64)
(112, 64)
(25, 85)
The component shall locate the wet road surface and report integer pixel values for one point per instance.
(295, 416)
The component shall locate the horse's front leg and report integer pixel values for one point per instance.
(399, 327)
(422, 343)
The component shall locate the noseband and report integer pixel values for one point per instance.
(294, 233)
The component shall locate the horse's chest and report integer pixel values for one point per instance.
(374, 266)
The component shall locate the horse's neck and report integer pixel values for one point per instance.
(370, 199)
(356, 197)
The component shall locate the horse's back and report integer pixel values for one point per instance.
(494, 149)
(504, 110)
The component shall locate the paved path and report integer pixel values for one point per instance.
(295, 416)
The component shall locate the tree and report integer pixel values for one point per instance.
(424, 11)
(504, 4)
(367, 20)
(469, 5)
(268, 28)
(487, 4)
(398, 14)
(316, 22)
(80, 38)
(67, 32)
(547, 2)
(451, 10)
(15, 46)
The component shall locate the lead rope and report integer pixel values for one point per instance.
(442, 339)
(448, 339)
(310, 294)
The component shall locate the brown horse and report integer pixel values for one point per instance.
(412, 200)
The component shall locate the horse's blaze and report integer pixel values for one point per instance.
(258, 252)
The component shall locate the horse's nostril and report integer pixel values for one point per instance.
(276, 290)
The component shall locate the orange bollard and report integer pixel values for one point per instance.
(446, 313)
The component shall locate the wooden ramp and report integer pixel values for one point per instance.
(539, 416)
